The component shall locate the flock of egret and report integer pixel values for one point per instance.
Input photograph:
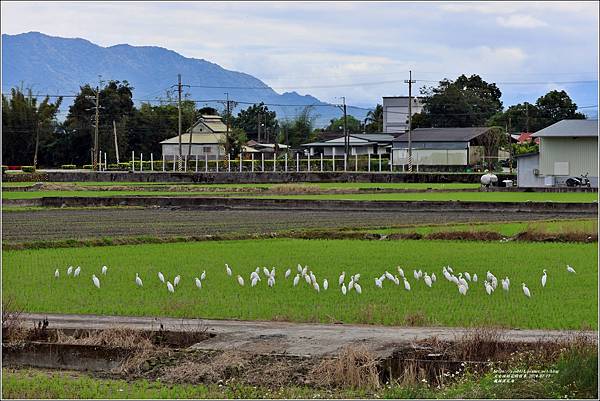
(463, 280)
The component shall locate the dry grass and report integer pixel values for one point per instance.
(354, 367)
(219, 366)
(466, 235)
(115, 337)
(416, 319)
(12, 324)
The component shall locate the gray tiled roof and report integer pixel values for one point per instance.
(443, 134)
(570, 128)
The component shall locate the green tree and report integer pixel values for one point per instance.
(465, 102)
(337, 125)
(116, 104)
(557, 105)
(375, 119)
(299, 130)
(233, 142)
(26, 123)
(250, 118)
(547, 110)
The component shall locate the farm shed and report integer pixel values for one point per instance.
(442, 146)
(208, 134)
(567, 148)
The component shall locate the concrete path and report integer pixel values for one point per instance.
(299, 339)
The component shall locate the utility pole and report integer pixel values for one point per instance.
(346, 138)
(258, 128)
(228, 114)
(510, 152)
(95, 158)
(116, 143)
(37, 142)
(179, 165)
(409, 82)
(527, 116)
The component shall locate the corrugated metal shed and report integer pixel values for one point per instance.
(462, 134)
(573, 128)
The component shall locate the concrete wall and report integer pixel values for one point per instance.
(395, 113)
(246, 177)
(580, 153)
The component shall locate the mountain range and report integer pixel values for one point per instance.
(54, 65)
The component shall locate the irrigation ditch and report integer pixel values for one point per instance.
(268, 353)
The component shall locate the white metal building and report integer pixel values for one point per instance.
(567, 148)
(395, 113)
(207, 137)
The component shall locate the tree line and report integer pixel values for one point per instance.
(32, 133)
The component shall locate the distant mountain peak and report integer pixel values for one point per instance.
(62, 65)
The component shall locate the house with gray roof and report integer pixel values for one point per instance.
(461, 146)
(568, 148)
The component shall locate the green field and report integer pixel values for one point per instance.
(579, 197)
(587, 226)
(569, 301)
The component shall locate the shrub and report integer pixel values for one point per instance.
(68, 166)
(124, 165)
(4, 168)
(28, 169)
(88, 166)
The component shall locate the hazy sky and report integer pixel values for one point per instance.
(308, 46)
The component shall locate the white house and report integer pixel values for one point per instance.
(359, 144)
(207, 137)
(567, 148)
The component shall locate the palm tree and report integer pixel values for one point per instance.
(375, 119)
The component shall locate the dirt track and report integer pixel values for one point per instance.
(296, 339)
(56, 224)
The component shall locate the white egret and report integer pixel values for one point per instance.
(488, 276)
(433, 278)
(325, 284)
(526, 291)
(462, 289)
(176, 280)
(505, 285)
(69, 270)
(396, 280)
(357, 288)
(378, 283)
(304, 270)
(351, 284)
(488, 287)
(307, 279)
(254, 281)
(138, 280)
(56, 273)
(343, 288)
(77, 271)
(475, 277)
(287, 273)
(450, 269)
(544, 278)
(467, 276)
(406, 284)
(313, 278)
(228, 270)
(273, 272)
(389, 276)
(316, 286)
(271, 281)
(96, 281)
(240, 280)
(198, 283)
(161, 277)
(570, 269)
(494, 282)
(342, 278)
(428, 281)
(401, 272)
(104, 270)
(296, 279)
(416, 274)
(299, 268)
(170, 287)
(356, 277)
(203, 275)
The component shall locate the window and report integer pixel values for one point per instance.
(206, 149)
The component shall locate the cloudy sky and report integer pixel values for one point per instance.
(318, 48)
